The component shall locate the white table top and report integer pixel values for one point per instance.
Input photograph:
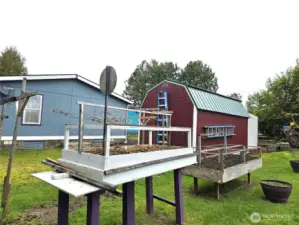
(68, 185)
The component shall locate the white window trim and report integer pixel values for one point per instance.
(40, 114)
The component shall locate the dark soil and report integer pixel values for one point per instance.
(45, 214)
(118, 150)
(276, 184)
(229, 161)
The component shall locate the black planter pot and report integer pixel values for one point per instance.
(295, 165)
(276, 191)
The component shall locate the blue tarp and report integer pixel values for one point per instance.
(133, 120)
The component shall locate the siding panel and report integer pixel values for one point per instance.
(61, 95)
(206, 118)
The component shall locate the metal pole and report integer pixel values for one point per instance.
(106, 102)
(149, 195)
(63, 208)
(81, 127)
(93, 208)
(128, 203)
(178, 193)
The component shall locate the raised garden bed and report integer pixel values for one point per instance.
(295, 165)
(276, 191)
(120, 149)
(229, 161)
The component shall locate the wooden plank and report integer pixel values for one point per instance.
(152, 128)
(130, 167)
(202, 172)
(125, 109)
(17, 98)
(80, 176)
(228, 147)
(68, 185)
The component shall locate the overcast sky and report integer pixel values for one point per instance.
(244, 42)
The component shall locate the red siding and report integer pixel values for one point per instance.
(205, 118)
(179, 102)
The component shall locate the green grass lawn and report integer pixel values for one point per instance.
(238, 200)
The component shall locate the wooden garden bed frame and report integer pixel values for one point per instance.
(222, 174)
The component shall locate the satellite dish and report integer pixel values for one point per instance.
(108, 80)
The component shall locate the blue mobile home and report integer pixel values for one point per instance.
(40, 124)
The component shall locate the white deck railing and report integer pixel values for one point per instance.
(150, 129)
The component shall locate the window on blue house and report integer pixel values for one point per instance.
(219, 131)
(33, 110)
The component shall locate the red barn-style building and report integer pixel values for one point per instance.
(204, 111)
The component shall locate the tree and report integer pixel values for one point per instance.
(12, 62)
(235, 95)
(199, 74)
(278, 104)
(148, 74)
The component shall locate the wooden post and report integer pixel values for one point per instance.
(225, 143)
(243, 155)
(6, 185)
(260, 152)
(169, 133)
(221, 161)
(199, 150)
(217, 191)
(249, 178)
(66, 138)
(195, 184)
(143, 132)
(219, 156)
(163, 132)
(189, 139)
(150, 138)
(1, 123)
(107, 142)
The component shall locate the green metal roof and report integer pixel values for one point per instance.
(206, 100)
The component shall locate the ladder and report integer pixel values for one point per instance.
(162, 120)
